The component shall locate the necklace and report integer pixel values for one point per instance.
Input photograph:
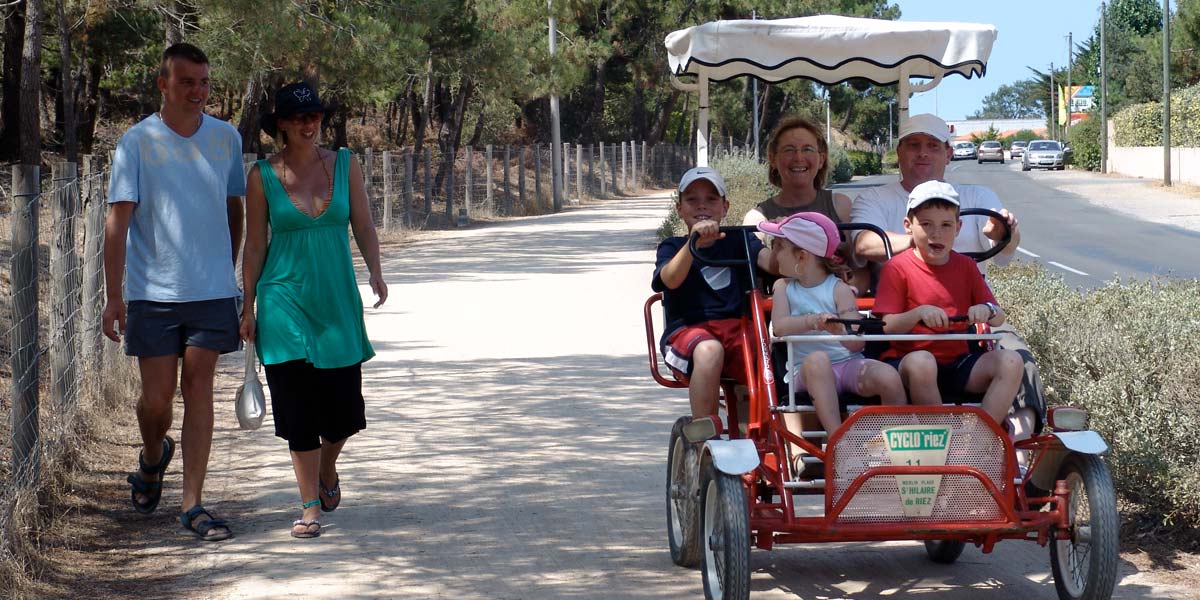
(320, 206)
(199, 121)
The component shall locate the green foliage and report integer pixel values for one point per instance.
(746, 185)
(1085, 143)
(841, 169)
(891, 160)
(1141, 124)
(865, 162)
(1024, 135)
(1020, 100)
(1129, 353)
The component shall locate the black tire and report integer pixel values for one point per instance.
(683, 498)
(1002, 161)
(1085, 566)
(1024, 167)
(725, 527)
(980, 162)
(944, 551)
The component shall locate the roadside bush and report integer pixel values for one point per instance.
(1024, 135)
(1129, 353)
(1141, 124)
(1085, 143)
(841, 169)
(865, 163)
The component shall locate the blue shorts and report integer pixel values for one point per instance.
(168, 328)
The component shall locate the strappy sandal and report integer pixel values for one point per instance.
(205, 528)
(306, 524)
(152, 490)
(334, 494)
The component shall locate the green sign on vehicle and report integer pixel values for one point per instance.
(918, 445)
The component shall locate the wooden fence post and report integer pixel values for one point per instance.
(408, 187)
(642, 168)
(64, 286)
(521, 176)
(566, 171)
(93, 265)
(603, 179)
(470, 181)
(428, 158)
(579, 172)
(507, 185)
(26, 184)
(387, 190)
(490, 199)
(591, 171)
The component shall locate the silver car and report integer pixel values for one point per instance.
(1017, 149)
(991, 150)
(1042, 154)
(964, 150)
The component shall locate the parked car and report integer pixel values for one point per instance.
(1017, 149)
(1042, 154)
(964, 150)
(991, 150)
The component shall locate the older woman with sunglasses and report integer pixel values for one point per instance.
(309, 325)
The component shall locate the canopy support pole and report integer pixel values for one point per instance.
(907, 89)
(701, 88)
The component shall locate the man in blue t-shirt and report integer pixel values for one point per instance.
(702, 340)
(173, 229)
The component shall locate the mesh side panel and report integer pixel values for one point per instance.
(960, 497)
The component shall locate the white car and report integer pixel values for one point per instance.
(964, 150)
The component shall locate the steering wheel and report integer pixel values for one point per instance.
(999, 245)
(725, 262)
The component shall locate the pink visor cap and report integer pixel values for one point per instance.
(811, 231)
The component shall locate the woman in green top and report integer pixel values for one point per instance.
(309, 327)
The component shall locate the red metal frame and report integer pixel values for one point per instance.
(775, 522)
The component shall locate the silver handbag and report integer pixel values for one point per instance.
(250, 400)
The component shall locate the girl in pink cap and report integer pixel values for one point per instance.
(810, 293)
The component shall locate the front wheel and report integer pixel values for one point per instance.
(1085, 565)
(1024, 167)
(725, 515)
(944, 551)
(683, 514)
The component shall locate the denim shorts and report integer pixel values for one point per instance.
(168, 328)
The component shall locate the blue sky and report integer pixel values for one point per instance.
(1028, 34)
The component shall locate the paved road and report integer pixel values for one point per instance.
(1083, 226)
(516, 449)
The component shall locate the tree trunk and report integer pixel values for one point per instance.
(31, 70)
(453, 130)
(70, 139)
(421, 117)
(90, 107)
(339, 114)
(664, 117)
(403, 100)
(639, 109)
(10, 79)
(596, 118)
(475, 137)
(248, 125)
(683, 122)
(175, 18)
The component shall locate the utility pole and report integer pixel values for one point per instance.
(1166, 99)
(1053, 115)
(754, 92)
(1103, 94)
(890, 105)
(555, 134)
(1070, 92)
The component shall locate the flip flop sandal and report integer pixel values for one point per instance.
(334, 494)
(205, 526)
(152, 490)
(306, 524)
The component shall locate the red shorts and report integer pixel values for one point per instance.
(681, 343)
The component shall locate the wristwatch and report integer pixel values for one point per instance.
(993, 309)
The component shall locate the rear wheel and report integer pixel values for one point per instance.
(726, 526)
(1085, 566)
(683, 511)
(1024, 167)
(944, 551)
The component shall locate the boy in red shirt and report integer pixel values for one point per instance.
(920, 289)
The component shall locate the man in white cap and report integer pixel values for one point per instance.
(923, 153)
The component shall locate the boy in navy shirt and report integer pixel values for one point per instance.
(703, 303)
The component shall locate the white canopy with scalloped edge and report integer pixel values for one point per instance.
(827, 49)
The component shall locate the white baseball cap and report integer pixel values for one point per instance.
(927, 124)
(932, 190)
(697, 173)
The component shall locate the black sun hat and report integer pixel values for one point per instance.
(291, 99)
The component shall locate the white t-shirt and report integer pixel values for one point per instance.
(887, 205)
(178, 246)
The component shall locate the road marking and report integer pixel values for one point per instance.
(1066, 268)
(1027, 253)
